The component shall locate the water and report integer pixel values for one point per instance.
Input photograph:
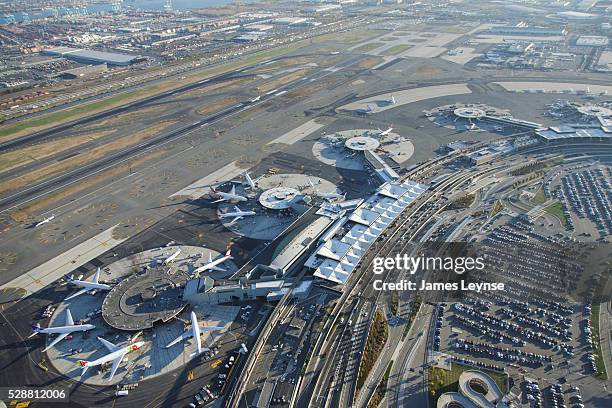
(152, 5)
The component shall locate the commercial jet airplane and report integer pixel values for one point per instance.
(384, 132)
(212, 265)
(238, 214)
(195, 333)
(250, 182)
(231, 196)
(87, 286)
(116, 355)
(61, 331)
(46, 220)
(172, 257)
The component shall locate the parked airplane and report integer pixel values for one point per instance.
(46, 220)
(238, 214)
(392, 100)
(384, 132)
(87, 286)
(61, 331)
(257, 98)
(250, 182)
(473, 127)
(195, 333)
(231, 196)
(243, 349)
(212, 265)
(116, 355)
(333, 196)
(172, 257)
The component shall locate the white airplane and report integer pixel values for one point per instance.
(172, 257)
(231, 196)
(61, 331)
(116, 355)
(333, 196)
(87, 286)
(238, 214)
(243, 349)
(46, 220)
(257, 98)
(392, 100)
(212, 265)
(249, 181)
(473, 127)
(195, 333)
(382, 133)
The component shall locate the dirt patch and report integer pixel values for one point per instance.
(127, 117)
(370, 62)
(19, 157)
(215, 106)
(83, 158)
(26, 213)
(427, 70)
(358, 82)
(285, 79)
(230, 84)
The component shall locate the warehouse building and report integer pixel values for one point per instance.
(92, 57)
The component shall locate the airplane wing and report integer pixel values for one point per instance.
(116, 363)
(212, 328)
(110, 346)
(237, 208)
(216, 268)
(236, 219)
(80, 292)
(56, 340)
(219, 200)
(233, 192)
(96, 276)
(180, 338)
(69, 321)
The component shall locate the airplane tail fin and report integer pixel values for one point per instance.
(229, 252)
(84, 365)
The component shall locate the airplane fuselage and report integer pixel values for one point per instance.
(67, 329)
(91, 285)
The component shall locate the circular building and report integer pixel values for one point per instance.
(141, 300)
(470, 113)
(278, 198)
(361, 143)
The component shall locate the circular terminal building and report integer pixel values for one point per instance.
(470, 113)
(142, 300)
(278, 198)
(361, 143)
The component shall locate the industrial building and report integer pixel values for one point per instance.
(525, 30)
(91, 56)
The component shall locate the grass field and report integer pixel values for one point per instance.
(377, 337)
(396, 49)
(39, 151)
(45, 121)
(368, 47)
(556, 210)
(82, 158)
(539, 197)
(441, 381)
